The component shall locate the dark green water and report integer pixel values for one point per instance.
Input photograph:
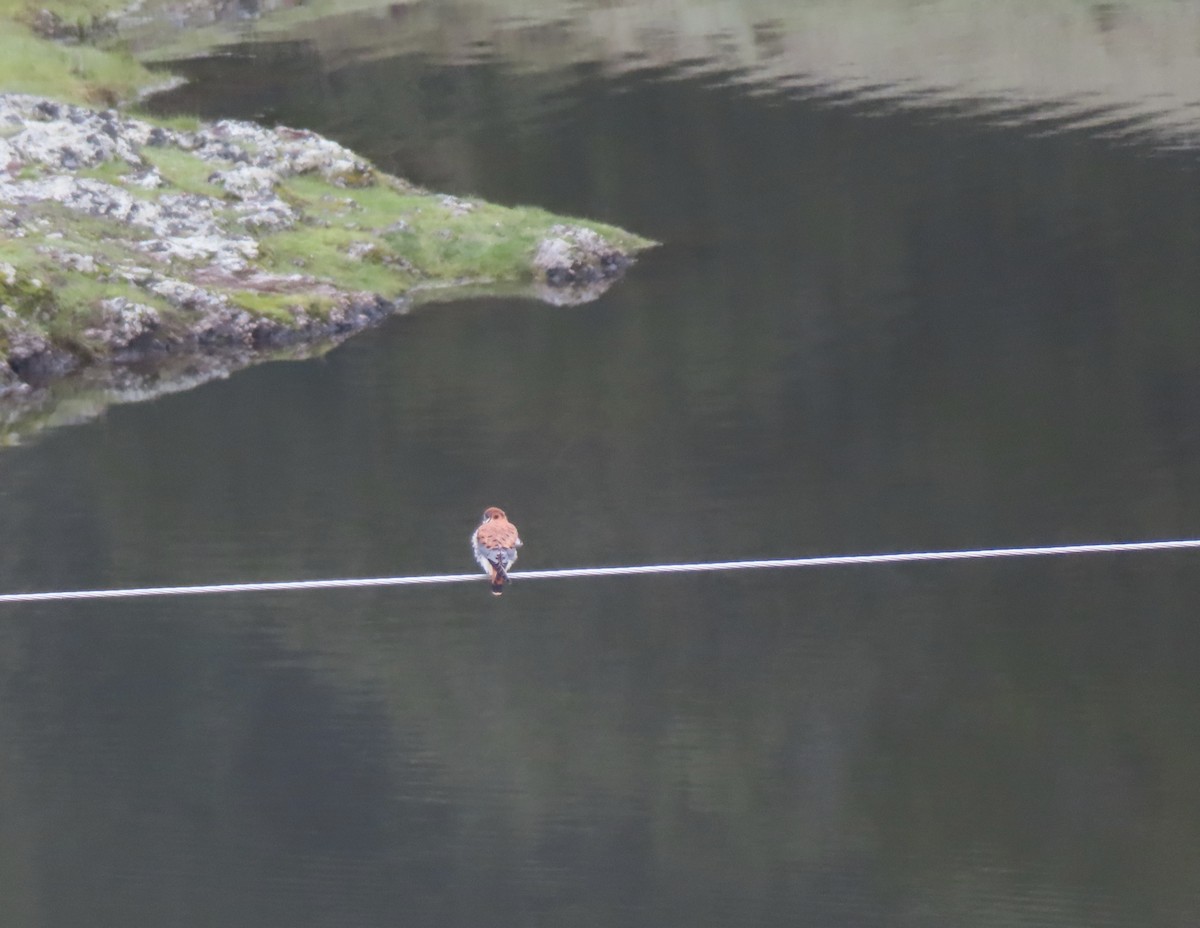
(867, 330)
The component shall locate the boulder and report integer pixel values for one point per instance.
(574, 256)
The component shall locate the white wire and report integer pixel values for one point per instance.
(837, 560)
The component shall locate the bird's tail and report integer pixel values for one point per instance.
(499, 577)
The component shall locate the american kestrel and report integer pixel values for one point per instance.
(495, 544)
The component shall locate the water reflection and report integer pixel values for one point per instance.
(869, 329)
(1122, 69)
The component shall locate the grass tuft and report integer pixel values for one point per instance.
(77, 73)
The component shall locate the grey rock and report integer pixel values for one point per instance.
(149, 179)
(456, 206)
(266, 215)
(10, 383)
(10, 160)
(74, 261)
(575, 256)
(120, 321)
(361, 250)
(247, 182)
(184, 295)
(90, 196)
(77, 138)
(24, 340)
(181, 226)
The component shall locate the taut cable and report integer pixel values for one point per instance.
(836, 560)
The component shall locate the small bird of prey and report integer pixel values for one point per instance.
(495, 545)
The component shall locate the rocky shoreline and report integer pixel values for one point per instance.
(125, 244)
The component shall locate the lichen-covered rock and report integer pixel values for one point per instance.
(247, 181)
(27, 352)
(185, 295)
(24, 340)
(457, 206)
(180, 226)
(147, 179)
(363, 251)
(120, 321)
(269, 214)
(79, 193)
(285, 152)
(84, 264)
(9, 159)
(573, 255)
(67, 146)
(65, 137)
(356, 310)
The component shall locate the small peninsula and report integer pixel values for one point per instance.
(141, 255)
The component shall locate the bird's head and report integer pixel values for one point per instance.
(492, 513)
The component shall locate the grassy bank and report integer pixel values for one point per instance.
(79, 73)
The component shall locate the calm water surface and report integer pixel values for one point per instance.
(869, 328)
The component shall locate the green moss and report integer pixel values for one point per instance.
(355, 178)
(86, 292)
(110, 172)
(280, 306)
(417, 236)
(29, 297)
(322, 201)
(323, 253)
(489, 241)
(32, 302)
(15, 251)
(183, 170)
(78, 73)
(444, 244)
(76, 232)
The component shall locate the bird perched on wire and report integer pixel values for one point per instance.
(495, 545)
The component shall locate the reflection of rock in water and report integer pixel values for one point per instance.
(572, 294)
(87, 393)
(60, 400)
(1108, 62)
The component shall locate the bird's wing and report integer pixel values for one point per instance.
(498, 535)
